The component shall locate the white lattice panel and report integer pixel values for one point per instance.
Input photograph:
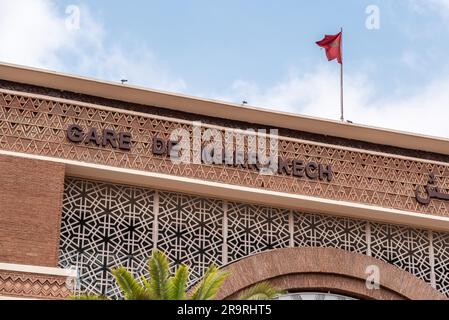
(190, 231)
(441, 253)
(106, 225)
(253, 229)
(313, 230)
(403, 247)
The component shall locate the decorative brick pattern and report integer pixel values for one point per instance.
(150, 109)
(37, 126)
(27, 285)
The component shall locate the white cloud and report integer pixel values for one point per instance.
(31, 32)
(312, 93)
(317, 94)
(439, 6)
(34, 33)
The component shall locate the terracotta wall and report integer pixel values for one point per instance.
(30, 211)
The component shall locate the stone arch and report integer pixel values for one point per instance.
(322, 270)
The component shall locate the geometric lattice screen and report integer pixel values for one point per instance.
(190, 231)
(107, 225)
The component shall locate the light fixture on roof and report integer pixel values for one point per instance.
(124, 81)
(244, 102)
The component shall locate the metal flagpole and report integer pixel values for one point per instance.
(341, 77)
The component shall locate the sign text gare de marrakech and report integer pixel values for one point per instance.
(178, 148)
(253, 157)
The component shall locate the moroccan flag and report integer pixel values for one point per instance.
(332, 44)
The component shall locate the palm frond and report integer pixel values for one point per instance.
(261, 291)
(148, 289)
(159, 271)
(177, 285)
(130, 287)
(208, 287)
(145, 282)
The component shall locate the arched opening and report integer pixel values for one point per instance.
(326, 271)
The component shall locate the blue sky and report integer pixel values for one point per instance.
(260, 51)
(212, 43)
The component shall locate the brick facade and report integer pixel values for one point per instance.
(30, 211)
(32, 198)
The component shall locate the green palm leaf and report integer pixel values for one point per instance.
(145, 282)
(158, 268)
(261, 291)
(208, 287)
(130, 287)
(177, 285)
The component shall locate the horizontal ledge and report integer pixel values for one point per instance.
(245, 194)
(38, 270)
(259, 196)
(8, 298)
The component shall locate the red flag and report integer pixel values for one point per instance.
(332, 44)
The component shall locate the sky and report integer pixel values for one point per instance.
(262, 52)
